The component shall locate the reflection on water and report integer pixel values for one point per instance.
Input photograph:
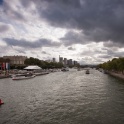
(63, 98)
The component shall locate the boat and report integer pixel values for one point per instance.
(41, 73)
(87, 72)
(1, 103)
(101, 70)
(65, 69)
(22, 77)
(18, 75)
(105, 71)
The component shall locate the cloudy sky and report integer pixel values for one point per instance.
(89, 31)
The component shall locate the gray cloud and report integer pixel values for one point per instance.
(110, 53)
(1, 2)
(105, 56)
(114, 53)
(72, 37)
(100, 20)
(71, 48)
(20, 51)
(4, 28)
(113, 44)
(85, 20)
(10, 11)
(26, 44)
(26, 3)
(43, 52)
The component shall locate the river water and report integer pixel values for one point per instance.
(71, 97)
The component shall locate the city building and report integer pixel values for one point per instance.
(69, 62)
(54, 60)
(75, 62)
(61, 59)
(65, 61)
(16, 60)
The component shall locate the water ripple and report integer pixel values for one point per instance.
(63, 98)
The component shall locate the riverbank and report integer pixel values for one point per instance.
(118, 75)
(5, 76)
(20, 72)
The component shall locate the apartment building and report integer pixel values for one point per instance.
(16, 60)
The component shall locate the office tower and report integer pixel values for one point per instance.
(54, 60)
(65, 61)
(61, 59)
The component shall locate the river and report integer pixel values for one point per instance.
(71, 97)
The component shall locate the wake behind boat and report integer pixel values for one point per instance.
(22, 77)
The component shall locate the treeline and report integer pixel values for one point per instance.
(116, 64)
(43, 64)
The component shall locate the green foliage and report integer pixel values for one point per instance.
(17, 66)
(116, 64)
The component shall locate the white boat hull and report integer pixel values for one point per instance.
(22, 77)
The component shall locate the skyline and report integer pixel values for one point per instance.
(90, 32)
(22, 58)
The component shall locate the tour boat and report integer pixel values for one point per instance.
(22, 77)
(87, 72)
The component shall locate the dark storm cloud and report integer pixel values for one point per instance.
(26, 44)
(113, 44)
(59, 12)
(4, 28)
(1, 2)
(100, 20)
(26, 3)
(72, 37)
(10, 11)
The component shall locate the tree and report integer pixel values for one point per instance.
(116, 64)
